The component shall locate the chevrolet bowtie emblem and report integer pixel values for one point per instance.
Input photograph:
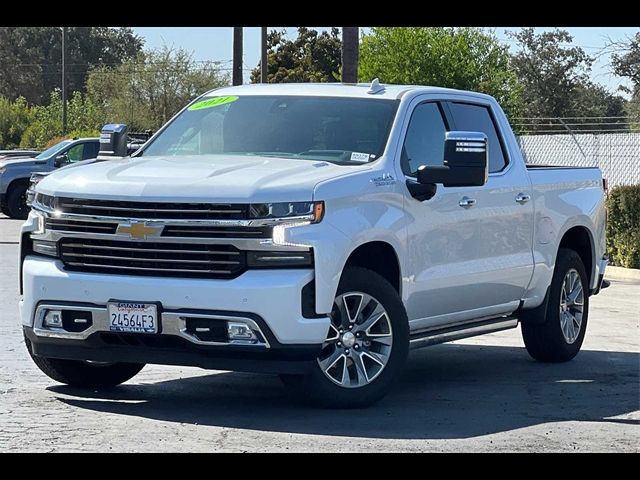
(138, 230)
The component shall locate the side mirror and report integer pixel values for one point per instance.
(465, 162)
(113, 141)
(61, 160)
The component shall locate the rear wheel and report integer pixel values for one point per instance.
(17, 201)
(83, 374)
(559, 337)
(365, 348)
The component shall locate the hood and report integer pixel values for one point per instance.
(201, 178)
(20, 161)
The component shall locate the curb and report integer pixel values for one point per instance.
(624, 274)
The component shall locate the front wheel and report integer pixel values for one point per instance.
(559, 336)
(366, 345)
(17, 201)
(81, 374)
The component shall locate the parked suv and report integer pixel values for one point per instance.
(15, 172)
(314, 231)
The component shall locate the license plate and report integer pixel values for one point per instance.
(133, 317)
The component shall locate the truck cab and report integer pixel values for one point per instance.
(313, 231)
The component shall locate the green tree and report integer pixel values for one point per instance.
(593, 100)
(147, 91)
(555, 77)
(30, 57)
(627, 65)
(310, 57)
(15, 117)
(463, 58)
(85, 119)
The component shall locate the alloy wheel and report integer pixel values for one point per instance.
(359, 341)
(571, 306)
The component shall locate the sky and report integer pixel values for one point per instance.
(215, 43)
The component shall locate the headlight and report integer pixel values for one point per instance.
(298, 211)
(46, 202)
(2, 170)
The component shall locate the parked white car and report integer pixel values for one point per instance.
(314, 231)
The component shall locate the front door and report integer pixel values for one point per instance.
(469, 248)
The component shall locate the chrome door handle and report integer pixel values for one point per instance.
(522, 198)
(466, 202)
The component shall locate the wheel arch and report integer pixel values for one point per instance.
(381, 257)
(580, 239)
(17, 181)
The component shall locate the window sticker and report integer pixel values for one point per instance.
(213, 102)
(359, 157)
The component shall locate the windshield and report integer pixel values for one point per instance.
(51, 151)
(340, 130)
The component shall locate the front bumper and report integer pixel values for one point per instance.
(173, 350)
(271, 298)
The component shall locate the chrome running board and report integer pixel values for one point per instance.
(425, 338)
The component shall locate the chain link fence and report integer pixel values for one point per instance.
(617, 154)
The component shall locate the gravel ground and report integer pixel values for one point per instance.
(481, 394)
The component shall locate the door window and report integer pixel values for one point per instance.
(424, 141)
(74, 154)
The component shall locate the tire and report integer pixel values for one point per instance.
(80, 374)
(546, 341)
(17, 201)
(384, 339)
(4, 210)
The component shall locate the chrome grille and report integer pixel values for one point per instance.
(152, 258)
(66, 225)
(153, 210)
(216, 232)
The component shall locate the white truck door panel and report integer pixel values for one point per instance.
(469, 248)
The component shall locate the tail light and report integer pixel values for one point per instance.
(605, 185)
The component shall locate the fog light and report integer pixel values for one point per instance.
(240, 332)
(53, 319)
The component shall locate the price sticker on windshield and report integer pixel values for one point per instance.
(359, 157)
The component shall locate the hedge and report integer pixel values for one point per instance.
(623, 226)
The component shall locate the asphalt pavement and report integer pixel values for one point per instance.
(481, 394)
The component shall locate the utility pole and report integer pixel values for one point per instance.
(350, 52)
(263, 57)
(64, 80)
(237, 56)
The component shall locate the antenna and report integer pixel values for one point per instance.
(375, 87)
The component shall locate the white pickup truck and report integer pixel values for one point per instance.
(313, 231)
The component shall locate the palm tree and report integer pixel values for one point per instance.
(350, 54)
(236, 71)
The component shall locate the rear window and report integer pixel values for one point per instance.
(477, 118)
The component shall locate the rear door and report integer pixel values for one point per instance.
(505, 231)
